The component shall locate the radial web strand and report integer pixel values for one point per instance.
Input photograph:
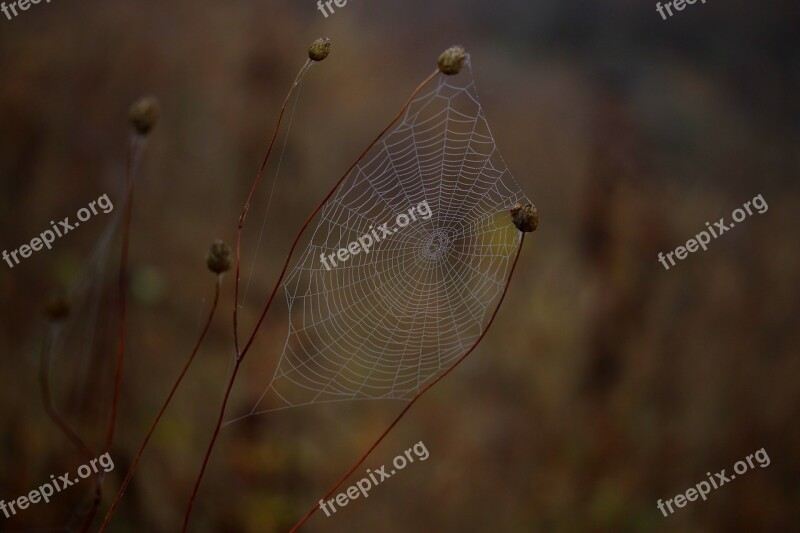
(384, 322)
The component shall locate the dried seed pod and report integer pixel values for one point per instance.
(452, 60)
(144, 114)
(525, 217)
(57, 308)
(319, 49)
(219, 258)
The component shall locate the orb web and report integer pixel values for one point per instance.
(384, 321)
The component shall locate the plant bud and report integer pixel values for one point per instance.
(57, 308)
(144, 114)
(452, 60)
(525, 217)
(319, 49)
(219, 257)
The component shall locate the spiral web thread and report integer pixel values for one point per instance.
(382, 324)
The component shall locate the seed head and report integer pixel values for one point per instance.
(319, 49)
(525, 217)
(144, 114)
(452, 60)
(219, 257)
(57, 308)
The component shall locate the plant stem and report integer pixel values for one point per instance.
(211, 444)
(130, 164)
(122, 291)
(417, 396)
(324, 201)
(47, 398)
(300, 73)
(58, 420)
(241, 355)
(155, 423)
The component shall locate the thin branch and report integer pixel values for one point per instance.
(300, 74)
(122, 291)
(172, 392)
(325, 200)
(211, 445)
(130, 165)
(47, 398)
(58, 420)
(241, 355)
(417, 396)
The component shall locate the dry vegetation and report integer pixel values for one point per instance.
(606, 383)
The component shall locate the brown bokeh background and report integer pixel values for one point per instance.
(606, 383)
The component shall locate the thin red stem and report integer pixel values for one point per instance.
(322, 204)
(241, 355)
(120, 360)
(417, 396)
(155, 423)
(122, 290)
(98, 496)
(211, 444)
(250, 198)
(47, 398)
(66, 429)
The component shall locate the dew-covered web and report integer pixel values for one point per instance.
(381, 325)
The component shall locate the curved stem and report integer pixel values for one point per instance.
(96, 499)
(66, 429)
(122, 286)
(241, 355)
(155, 423)
(130, 165)
(302, 71)
(211, 445)
(322, 204)
(417, 396)
(47, 398)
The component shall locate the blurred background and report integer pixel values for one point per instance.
(606, 383)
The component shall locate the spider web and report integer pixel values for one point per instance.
(380, 325)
